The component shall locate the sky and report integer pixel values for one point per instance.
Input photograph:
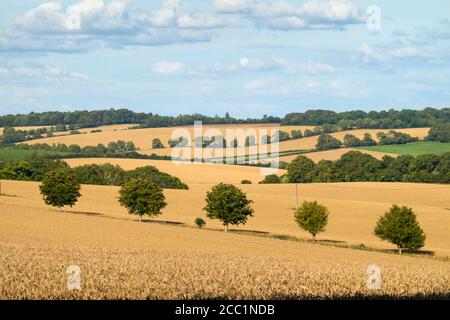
(245, 57)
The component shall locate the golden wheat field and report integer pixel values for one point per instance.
(127, 259)
(167, 257)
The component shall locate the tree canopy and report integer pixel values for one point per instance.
(228, 204)
(312, 217)
(60, 188)
(400, 227)
(142, 197)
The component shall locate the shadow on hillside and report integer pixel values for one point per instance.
(249, 232)
(328, 241)
(84, 213)
(164, 222)
(414, 252)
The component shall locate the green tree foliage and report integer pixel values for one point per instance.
(312, 217)
(440, 132)
(396, 169)
(74, 148)
(130, 146)
(394, 137)
(114, 175)
(300, 170)
(157, 144)
(370, 120)
(100, 174)
(280, 136)
(32, 169)
(308, 133)
(423, 169)
(271, 179)
(161, 179)
(345, 120)
(179, 142)
(442, 169)
(327, 142)
(60, 188)
(142, 197)
(199, 222)
(324, 172)
(245, 181)
(400, 227)
(296, 134)
(11, 136)
(357, 166)
(351, 141)
(368, 140)
(228, 204)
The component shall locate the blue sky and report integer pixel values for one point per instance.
(247, 57)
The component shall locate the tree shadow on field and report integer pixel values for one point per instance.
(250, 232)
(325, 241)
(173, 223)
(410, 252)
(84, 213)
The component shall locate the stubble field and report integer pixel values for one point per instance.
(142, 138)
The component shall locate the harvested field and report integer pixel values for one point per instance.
(127, 259)
(143, 138)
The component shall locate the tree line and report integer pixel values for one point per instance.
(327, 141)
(357, 119)
(96, 118)
(36, 168)
(355, 166)
(11, 135)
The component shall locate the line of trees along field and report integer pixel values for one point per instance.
(355, 166)
(345, 120)
(96, 174)
(227, 203)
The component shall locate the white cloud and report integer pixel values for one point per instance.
(85, 17)
(208, 85)
(277, 63)
(270, 86)
(267, 86)
(372, 55)
(171, 68)
(89, 24)
(282, 15)
(44, 73)
(95, 23)
(174, 14)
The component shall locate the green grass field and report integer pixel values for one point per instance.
(17, 154)
(414, 149)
